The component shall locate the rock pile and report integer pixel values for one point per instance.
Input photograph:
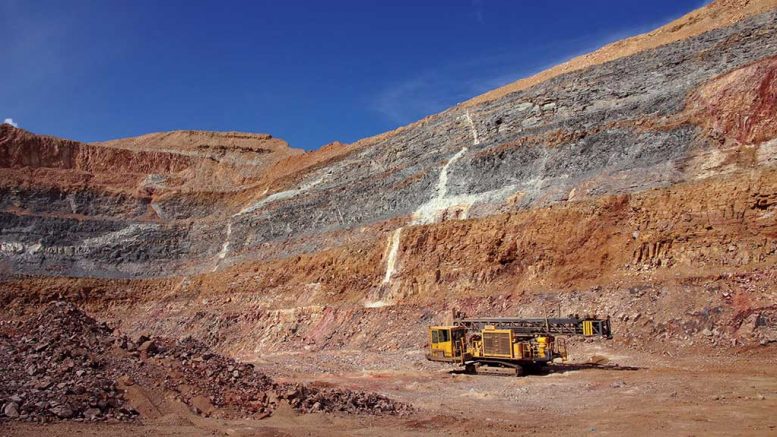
(312, 399)
(54, 367)
(64, 365)
(203, 380)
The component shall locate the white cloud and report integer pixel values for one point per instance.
(11, 122)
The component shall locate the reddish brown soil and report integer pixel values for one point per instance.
(634, 393)
(741, 105)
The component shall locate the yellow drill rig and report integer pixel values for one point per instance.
(507, 345)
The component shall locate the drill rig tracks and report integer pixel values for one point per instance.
(494, 367)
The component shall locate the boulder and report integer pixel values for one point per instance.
(11, 409)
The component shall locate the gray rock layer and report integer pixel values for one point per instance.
(464, 162)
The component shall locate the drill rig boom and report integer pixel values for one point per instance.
(557, 326)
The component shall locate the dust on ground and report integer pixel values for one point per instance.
(605, 389)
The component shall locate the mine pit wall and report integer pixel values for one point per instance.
(641, 122)
(687, 265)
(19, 150)
(705, 314)
(104, 248)
(689, 229)
(650, 198)
(84, 202)
(80, 210)
(580, 134)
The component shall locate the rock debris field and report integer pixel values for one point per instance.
(64, 365)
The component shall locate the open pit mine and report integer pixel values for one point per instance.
(197, 282)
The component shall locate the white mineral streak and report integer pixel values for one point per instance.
(224, 247)
(433, 210)
(129, 234)
(281, 195)
(391, 259)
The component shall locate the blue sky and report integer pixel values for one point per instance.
(310, 72)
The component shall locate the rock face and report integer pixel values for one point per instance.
(647, 162)
(76, 209)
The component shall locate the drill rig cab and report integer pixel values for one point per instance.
(506, 345)
(446, 342)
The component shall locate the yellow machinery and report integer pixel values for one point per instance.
(508, 345)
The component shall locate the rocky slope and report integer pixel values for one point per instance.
(638, 181)
(62, 364)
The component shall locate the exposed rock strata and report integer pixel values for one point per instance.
(651, 167)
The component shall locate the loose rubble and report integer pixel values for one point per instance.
(64, 365)
(55, 367)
